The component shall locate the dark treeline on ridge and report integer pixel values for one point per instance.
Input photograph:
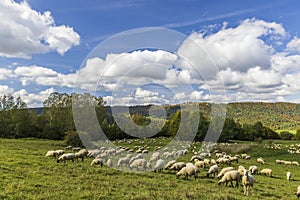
(55, 121)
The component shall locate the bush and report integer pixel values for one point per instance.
(72, 138)
(285, 135)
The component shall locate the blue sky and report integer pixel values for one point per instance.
(55, 47)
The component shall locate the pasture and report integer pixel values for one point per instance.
(25, 173)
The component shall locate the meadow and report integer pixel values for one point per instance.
(25, 173)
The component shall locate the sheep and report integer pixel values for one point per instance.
(248, 181)
(213, 162)
(295, 163)
(260, 160)
(234, 158)
(189, 164)
(76, 149)
(94, 153)
(177, 166)
(213, 170)
(253, 169)
(60, 152)
(122, 161)
(64, 157)
(241, 169)
(223, 171)
(266, 171)
(200, 164)
(109, 163)
(159, 165)
(207, 162)
(51, 154)
(230, 176)
(81, 154)
(298, 192)
(138, 156)
(97, 161)
(140, 162)
(169, 164)
(188, 171)
(247, 157)
(279, 162)
(288, 176)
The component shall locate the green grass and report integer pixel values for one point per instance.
(26, 174)
(293, 131)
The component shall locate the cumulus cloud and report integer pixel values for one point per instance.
(294, 45)
(24, 31)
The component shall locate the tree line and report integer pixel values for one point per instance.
(56, 122)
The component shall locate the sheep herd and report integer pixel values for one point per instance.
(139, 159)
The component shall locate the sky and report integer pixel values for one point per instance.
(151, 52)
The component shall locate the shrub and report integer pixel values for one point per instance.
(285, 135)
(72, 138)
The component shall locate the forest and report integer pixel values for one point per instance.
(55, 120)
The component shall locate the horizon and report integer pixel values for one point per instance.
(245, 51)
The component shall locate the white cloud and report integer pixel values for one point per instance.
(294, 45)
(24, 31)
(5, 89)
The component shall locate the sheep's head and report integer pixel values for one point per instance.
(177, 175)
(220, 182)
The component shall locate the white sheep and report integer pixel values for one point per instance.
(200, 164)
(213, 170)
(177, 166)
(122, 161)
(60, 152)
(223, 171)
(248, 181)
(169, 164)
(266, 171)
(260, 160)
(230, 176)
(97, 161)
(138, 156)
(159, 165)
(139, 163)
(188, 171)
(298, 192)
(81, 154)
(109, 163)
(51, 154)
(64, 157)
(253, 169)
(288, 176)
(295, 163)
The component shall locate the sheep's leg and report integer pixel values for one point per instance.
(237, 183)
(82, 159)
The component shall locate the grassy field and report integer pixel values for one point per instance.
(291, 131)
(26, 174)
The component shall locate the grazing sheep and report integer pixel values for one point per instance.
(261, 161)
(295, 163)
(195, 158)
(213, 162)
(266, 171)
(248, 181)
(81, 154)
(253, 169)
(200, 164)
(288, 176)
(169, 164)
(234, 159)
(247, 157)
(94, 153)
(178, 166)
(139, 163)
(298, 192)
(279, 162)
(230, 176)
(69, 147)
(138, 156)
(109, 163)
(97, 161)
(207, 162)
(159, 165)
(51, 154)
(213, 170)
(223, 171)
(60, 152)
(241, 169)
(76, 149)
(188, 171)
(64, 157)
(122, 161)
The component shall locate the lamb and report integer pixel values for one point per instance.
(178, 166)
(260, 160)
(169, 164)
(248, 181)
(64, 157)
(188, 171)
(223, 171)
(97, 161)
(288, 176)
(230, 176)
(266, 172)
(51, 154)
(213, 170)
(140, 162)
(298, 192)
(122, 161)
(109, 163)
(253, 169)
(159, 165)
